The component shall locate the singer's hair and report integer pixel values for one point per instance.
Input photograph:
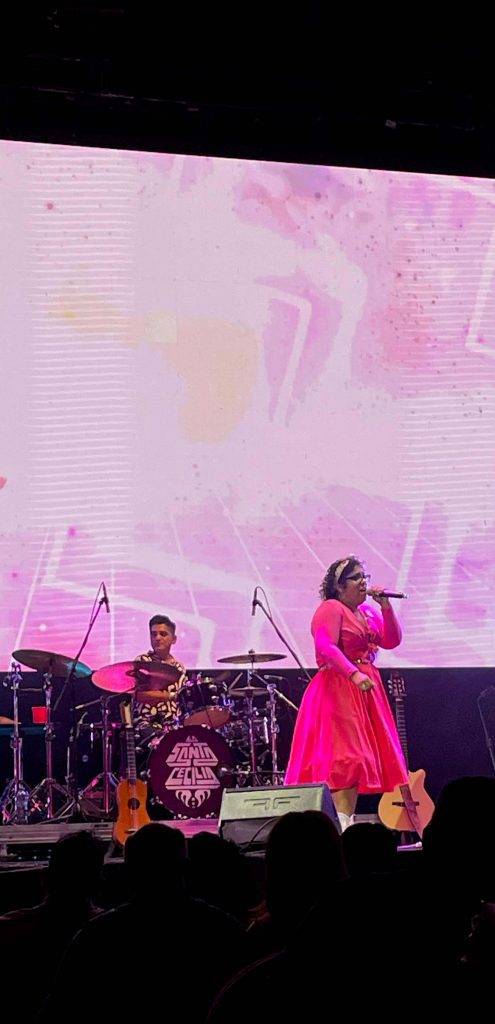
(164, 620)
(328, 587)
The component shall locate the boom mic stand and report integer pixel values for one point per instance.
(275, 694)
(259, 604)
(77, 808)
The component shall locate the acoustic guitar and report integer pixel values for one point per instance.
(131, 791)
(408, 808)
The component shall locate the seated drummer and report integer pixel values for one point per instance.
(158, 705)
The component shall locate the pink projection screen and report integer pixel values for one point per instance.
(221, 373)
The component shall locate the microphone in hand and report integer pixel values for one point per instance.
(378, 592)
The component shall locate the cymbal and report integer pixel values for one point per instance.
(126, 676)
(249, 658)
(158, 673)
(6, 721)
(46, 661)
(248, 691)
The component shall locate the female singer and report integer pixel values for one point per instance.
(345, 734)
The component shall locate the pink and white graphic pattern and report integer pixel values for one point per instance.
(217, 374)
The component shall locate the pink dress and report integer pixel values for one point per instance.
(344, 736)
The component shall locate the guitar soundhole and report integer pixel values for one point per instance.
(133, 804)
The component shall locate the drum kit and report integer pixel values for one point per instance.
(220, 734)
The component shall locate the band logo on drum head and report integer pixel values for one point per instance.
(192, 776)
(189, 769)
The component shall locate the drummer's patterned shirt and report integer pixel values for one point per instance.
(156, 715)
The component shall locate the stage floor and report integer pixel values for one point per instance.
(33, 837)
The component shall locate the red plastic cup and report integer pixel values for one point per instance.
(39, 715)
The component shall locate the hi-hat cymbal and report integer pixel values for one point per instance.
(249, 658)
(247, 691)
(6, 721)
(46, 661)
(126, 676)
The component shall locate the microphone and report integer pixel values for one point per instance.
(104, 599)
(386, 593)
(254, 602)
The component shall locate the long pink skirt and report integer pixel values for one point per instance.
(345, 737)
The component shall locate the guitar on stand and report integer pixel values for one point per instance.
(408, 808)
(131, 791)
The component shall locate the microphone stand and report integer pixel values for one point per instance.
(280, 635)
(74, 810)
(274, 695)
(489, 692)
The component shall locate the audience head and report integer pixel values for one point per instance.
(460, 839)
(303, 862)
(369, 849)
(75, 867)
(154, 852)
(220, 875)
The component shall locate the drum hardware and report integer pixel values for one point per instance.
(146, 679)
(105, 780)
(45, 790)
(250, 659)
(88, 704)
(16, 801)
(52, 664)
(57, 664)
(214, 711)
(269, 721)
(249, 692)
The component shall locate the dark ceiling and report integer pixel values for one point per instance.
(268, 80)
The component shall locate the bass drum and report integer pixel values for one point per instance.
(189, 769)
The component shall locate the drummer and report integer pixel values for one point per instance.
(159, 707)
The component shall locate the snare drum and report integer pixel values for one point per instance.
(205, 703)
(189, 769)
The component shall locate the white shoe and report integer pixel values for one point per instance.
(344, 819)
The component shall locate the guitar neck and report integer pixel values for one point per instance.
(130, 754)
(400, 718)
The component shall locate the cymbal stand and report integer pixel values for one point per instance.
(110, 782)
(274, 695)
(16, 801)
(49, 785)
(249, 699)
(274, 730)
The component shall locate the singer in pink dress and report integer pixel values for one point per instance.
(345, 734)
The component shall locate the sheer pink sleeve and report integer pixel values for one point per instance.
(389, 629)
(325, 628)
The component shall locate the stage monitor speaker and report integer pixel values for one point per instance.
(247, 816)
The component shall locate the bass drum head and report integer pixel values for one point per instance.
(189, 769)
